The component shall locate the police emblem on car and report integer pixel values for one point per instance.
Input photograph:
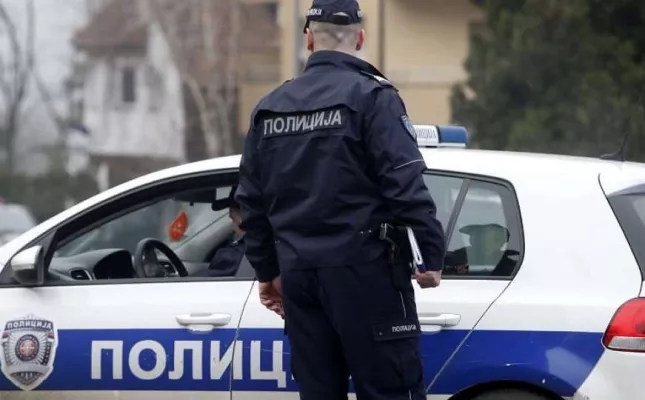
(28, 351)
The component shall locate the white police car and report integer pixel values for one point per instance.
(540, 298)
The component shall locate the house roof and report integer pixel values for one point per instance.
(119, 25)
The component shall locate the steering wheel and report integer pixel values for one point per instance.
(145, 258)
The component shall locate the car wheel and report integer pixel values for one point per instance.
(510, 394)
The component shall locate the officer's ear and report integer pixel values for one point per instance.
(361, 40)
(310, 40)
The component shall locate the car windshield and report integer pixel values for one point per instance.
(15, 219)
(161, 221)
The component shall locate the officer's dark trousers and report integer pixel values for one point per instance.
(344, 321)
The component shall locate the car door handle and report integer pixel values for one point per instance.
(443, 320)
(214, 319)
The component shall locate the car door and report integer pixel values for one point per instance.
(167, 337)
(482, 225)
(447, 313)
(263, 367)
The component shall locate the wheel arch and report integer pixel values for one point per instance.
(479, 389)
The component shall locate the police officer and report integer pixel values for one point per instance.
(330, 156)
(227, 259)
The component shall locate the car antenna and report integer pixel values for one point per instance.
(619, 155)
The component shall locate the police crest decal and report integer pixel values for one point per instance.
(28, 351)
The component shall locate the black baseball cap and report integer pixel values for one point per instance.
(327, 10)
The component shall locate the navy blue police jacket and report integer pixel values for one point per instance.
(226, 261)
(329, 156)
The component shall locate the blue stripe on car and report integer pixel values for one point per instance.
(557, 361)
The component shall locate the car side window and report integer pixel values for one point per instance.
(169, 221)
(486, 238)
(183, 227)
(485, 235)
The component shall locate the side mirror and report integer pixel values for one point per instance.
(28, 266)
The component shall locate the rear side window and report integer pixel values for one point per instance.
(629, 208)
(482, 226)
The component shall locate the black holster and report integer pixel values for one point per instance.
(399, 254)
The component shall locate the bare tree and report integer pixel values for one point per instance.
(204, 37)
(49, 102)
(16, 65)
(89, 8)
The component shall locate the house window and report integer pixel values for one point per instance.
(128, 85)
(272, 10)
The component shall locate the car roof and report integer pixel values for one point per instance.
(507, 165)
(511, 165)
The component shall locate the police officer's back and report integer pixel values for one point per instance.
(329, 157)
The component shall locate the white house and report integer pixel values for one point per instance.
(132, 93)
(138, 112)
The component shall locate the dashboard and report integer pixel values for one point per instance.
(108, 264)
(93, 265)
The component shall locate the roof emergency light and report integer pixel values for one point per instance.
(441, 135)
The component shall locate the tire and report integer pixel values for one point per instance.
(509, 394)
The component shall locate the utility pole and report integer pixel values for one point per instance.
(297, 38)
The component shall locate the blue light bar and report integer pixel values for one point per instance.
(441, 136)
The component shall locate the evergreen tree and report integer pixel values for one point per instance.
(556, 76)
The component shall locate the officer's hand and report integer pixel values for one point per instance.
(271, 295)
(428, 279)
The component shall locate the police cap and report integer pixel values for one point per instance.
(329, 10)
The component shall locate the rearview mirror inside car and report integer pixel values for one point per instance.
(28, 266)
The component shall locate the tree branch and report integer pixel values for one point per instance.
(203, 37)
(48, 101)
(168, 19)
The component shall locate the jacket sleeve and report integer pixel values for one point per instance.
(392, 147)
(260, 246)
